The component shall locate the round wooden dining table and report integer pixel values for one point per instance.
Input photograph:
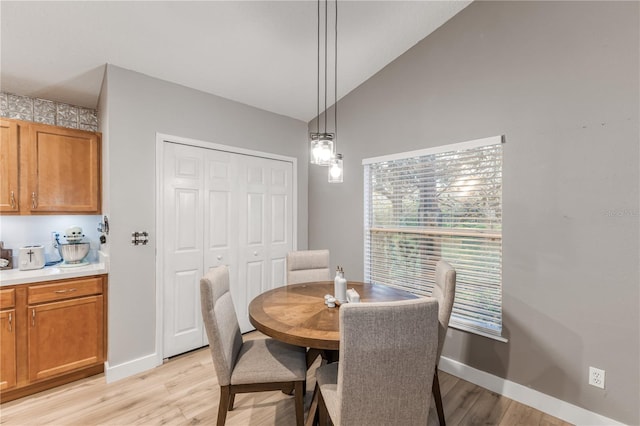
(297, 314)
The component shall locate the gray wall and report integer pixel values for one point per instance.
(560, 81)
(133, 108)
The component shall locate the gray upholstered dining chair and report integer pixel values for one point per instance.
(250, 366)
(444, 291)
(386, 351)
(308, 265)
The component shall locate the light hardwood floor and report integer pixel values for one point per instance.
(185, 391)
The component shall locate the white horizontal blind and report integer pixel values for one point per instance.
(441, 204)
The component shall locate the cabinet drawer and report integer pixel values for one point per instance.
(64, 290)
(7, 298)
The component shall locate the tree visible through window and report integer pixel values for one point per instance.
(439, 203)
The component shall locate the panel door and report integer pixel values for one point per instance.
(280, 237)
(9, 166)
(78, 323)
(266, 227)
(8, 344)
(183, 248)
(220, 216)
(220, 211)
(221, 208)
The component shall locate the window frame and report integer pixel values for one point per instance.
(431, 233)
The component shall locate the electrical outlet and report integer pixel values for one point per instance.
(54, 235)
(596, 377)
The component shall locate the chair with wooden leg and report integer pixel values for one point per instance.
(444, 291)
(250, 366)
(308, 265)
(386, 351)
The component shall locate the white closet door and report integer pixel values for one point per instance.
(266, 227)
(221, 208)
(281, 220)
(183, 248)
(220, 214)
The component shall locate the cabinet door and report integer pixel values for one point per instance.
(64, 170)
(8, 352)
(64, 336)
(8, 166)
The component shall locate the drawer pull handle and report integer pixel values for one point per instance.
(66, 290)
(10, 322)
(13, 200)
(33, 317)
(34, 200)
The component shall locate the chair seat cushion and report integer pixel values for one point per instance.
(327, 380)
(267, 361)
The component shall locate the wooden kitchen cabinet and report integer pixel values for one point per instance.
(49, 169)
(66, 317)
(61, 334)
(9, 162)
(64, 170)
(77, 323)
(8, 372)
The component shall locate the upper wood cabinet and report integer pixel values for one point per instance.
(49, 169)
(9, 161)
(64, 170)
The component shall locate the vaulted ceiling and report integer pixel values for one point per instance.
(261, 53)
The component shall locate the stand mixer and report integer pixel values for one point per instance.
(74, 251)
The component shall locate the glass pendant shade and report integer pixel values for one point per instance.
(321, 148)
(336, 170)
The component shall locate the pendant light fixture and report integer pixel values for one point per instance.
(323, 144)
(336, 170)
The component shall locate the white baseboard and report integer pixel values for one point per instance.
(533, 398)
(129, 368)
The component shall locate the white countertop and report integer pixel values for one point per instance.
(55, 272)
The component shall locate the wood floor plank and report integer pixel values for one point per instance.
(130, 403)
(167, 414)
(197, 399)
(521, 415)
(447, 382)
(549, 420)
(459, 400)
(488, 409)
(184, 390)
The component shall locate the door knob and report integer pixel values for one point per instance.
(219, 257)
(255, 253)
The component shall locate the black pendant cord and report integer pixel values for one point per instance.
(325, 66)
(335, 87)
(318, 89)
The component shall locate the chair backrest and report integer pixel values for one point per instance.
(387, 361)
(220, 321)
(444, 291)
(308, 265)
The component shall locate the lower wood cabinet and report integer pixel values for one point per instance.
(77, 323)
(8, 376)
(58, 335)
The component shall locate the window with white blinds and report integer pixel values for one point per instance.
(438, 203)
